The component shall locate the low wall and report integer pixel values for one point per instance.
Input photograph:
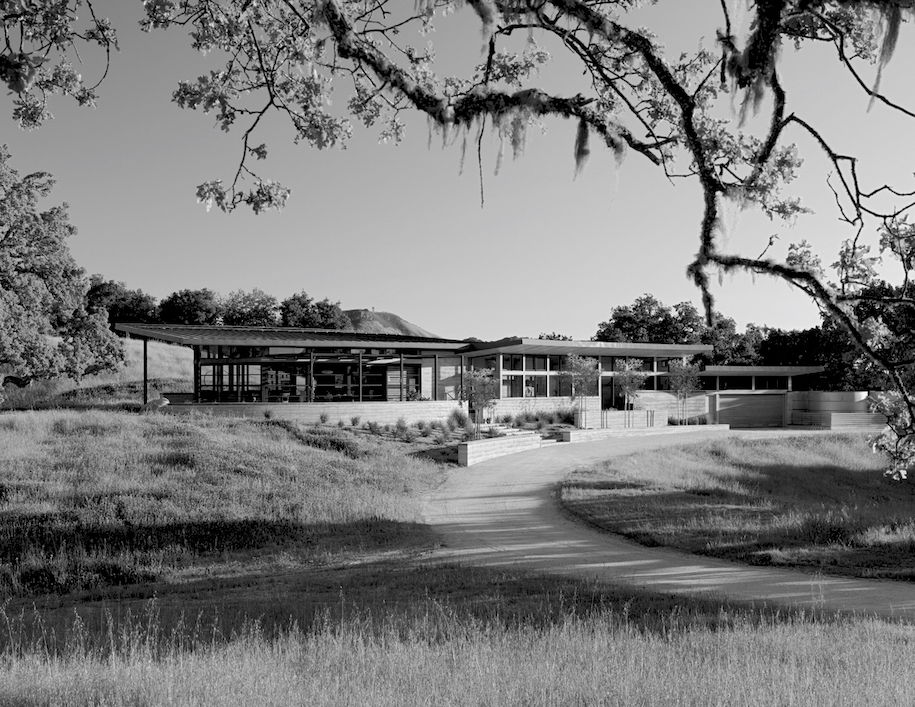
(634, 419)
(839, 420)
(664, 402)
(411, 411)
(594, 435)
(513, 406)
(823, 401)
(479, 450)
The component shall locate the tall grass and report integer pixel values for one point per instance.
(90, 499)
(170, 369)
(815, 501)
(438, 660)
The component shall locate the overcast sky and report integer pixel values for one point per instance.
(400, 229)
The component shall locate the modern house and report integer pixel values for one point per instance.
(307, 373)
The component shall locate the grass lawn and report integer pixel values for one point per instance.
(808, 501)
(151, 559)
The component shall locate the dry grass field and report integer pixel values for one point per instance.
(817, 502)
(91, 499)
(159, 560)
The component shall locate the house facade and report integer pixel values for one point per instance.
(307, 373)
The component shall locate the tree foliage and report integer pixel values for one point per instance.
(581, 374)
(287, 56)
(628, 377)
(480, 388)
(254, 308)
(119, 303)
(300, 310)
(45, 328)
(684, 381)
(191, 307)
(649, 320)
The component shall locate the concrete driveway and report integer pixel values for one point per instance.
(501, 513)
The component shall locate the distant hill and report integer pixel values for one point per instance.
(369, 322)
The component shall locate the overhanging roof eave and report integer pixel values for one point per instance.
(541, 347)
(278, 337)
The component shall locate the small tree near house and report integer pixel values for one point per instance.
(481, 391)
(684, 381)
(629, 378)
(582, 373)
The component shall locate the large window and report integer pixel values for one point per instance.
(512, 362)
(535, 386)
(559, 387)
(512, 386)
(535, 363)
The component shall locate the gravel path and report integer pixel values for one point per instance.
(500, 513)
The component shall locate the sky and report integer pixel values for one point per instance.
(401, 229)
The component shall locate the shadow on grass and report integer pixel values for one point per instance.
(49, 554)
(443, 600)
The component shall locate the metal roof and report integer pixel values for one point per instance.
(541, 347)
(193, 335)
(760, 370)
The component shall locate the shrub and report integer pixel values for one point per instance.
(354, 420)
(458, 418)
(328, 440)
(373, 427)
(549, 417)
(324, 417)
(566, 416)
(408, 434)
(541, 424)
(426, 430)
(494, 432)
(507, 419)
(341, 423)
(400, 426)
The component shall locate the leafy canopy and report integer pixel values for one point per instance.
(289, 56)
(46, 329)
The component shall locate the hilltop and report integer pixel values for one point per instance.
(367, 321)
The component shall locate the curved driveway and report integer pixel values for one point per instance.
(500, 513)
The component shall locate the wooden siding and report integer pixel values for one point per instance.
(751, 409)
(839, 420)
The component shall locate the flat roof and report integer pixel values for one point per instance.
(760, 370)
(541, 347)
(212, 335)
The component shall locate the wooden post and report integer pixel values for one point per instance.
(145, 373)
(197, 374)
(402, 397)
(435, 376)
(360, 376)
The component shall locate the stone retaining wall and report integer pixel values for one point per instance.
(479, 450)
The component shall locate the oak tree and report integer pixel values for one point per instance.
(199, 307)
(300, 310)
(46, 329)
(287, 56)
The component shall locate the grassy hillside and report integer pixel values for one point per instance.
(369, 322)
(94, 499)
(811, 501)
(170, 369)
